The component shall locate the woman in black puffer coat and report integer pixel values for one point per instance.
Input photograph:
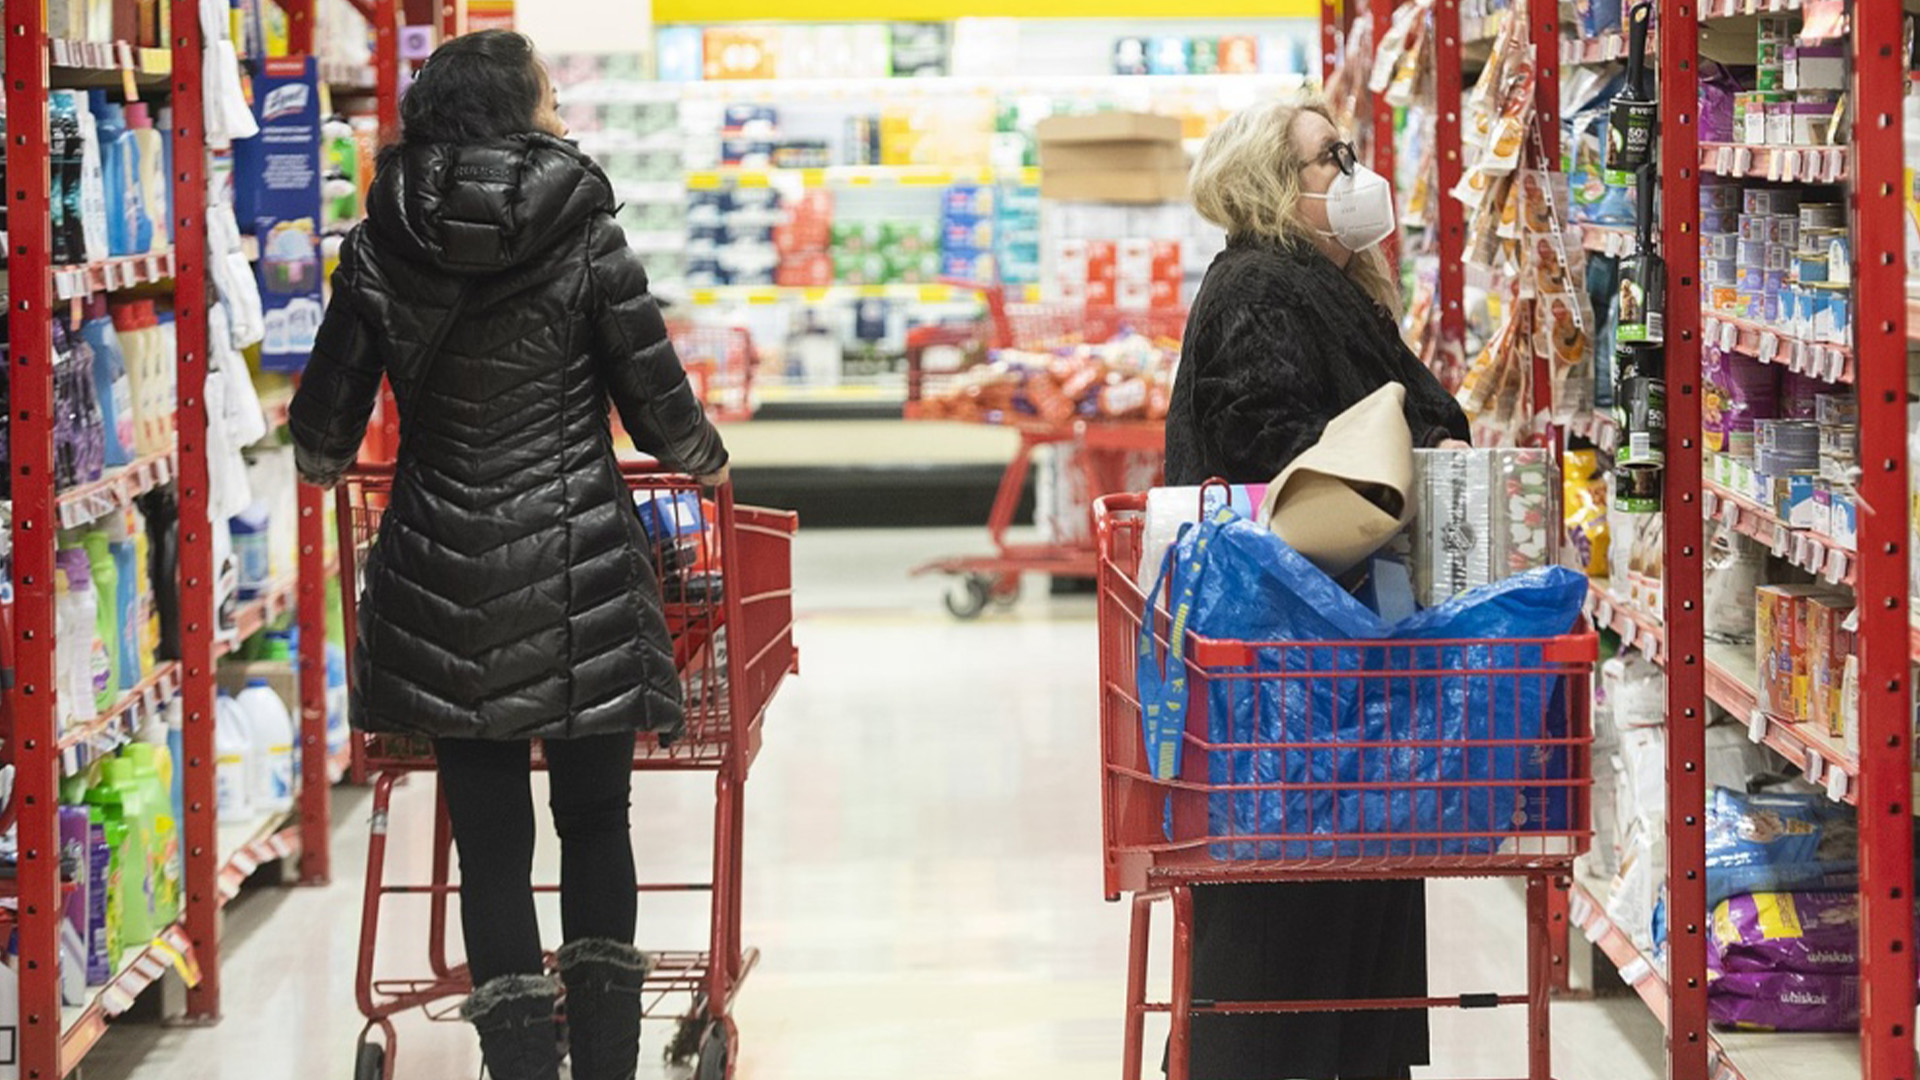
(510, 596)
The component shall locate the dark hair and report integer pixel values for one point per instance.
(478, 87)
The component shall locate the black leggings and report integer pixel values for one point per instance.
(490, 800)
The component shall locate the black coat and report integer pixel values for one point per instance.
(1279, 342)
(510, 593)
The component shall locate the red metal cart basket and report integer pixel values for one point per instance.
(1409, 794)
(719, 362)
(1102, 447)
(728, 588)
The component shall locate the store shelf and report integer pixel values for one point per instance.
(255, 615)
(1822, 360)
(1733, 9)
(1732, 675)
(860, 176)
(1781, 164)
(112, 275)
(349, 78)
(1637, 629)
(831, 294)
(116, 491)
(247, 846)
(1810, 551)
(100, 65)
(82, 1026)
(1607, 48)
(952, 85)
(115, 727)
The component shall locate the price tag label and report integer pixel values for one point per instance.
(1816, 559)
(1629, 633)
(1836, 365)
(1757, 725)
(1723, 161)
(1769, 346)
(1730, 514)
(1837, 164)
(1837, 785)
(1836, 566)
(1617, 245)
(1799, 355)
(1800, 553)
(1816, 767)
(1790, 165)
(1637, 972)
(1782, 536)
(1773, 166)
(1603, 613)
(1729, 336)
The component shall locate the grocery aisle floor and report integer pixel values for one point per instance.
(923, 878)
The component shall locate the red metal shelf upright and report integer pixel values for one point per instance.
(30, 432)
(1886, 713)
(1685, 616)
(1449, 86)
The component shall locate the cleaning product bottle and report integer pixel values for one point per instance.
(73, 927)
(143, 832)
(152, 177)
(166, 339)
(134, 346)
(127, 609)
(93, 196)
(110, 381)
(119, 155)
(106, 591)
(232, 751)
(67, 637)
(270, 730)
(122, 809)
(252, 549)
(103, 944)
(151, 767)
(337, 728)
(91, 672)
(63, 156)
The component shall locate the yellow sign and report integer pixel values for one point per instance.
(724, 11)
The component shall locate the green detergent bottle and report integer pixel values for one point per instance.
(144, 759)
(118, 789)
(103, 805)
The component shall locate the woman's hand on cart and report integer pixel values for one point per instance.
(716, 479)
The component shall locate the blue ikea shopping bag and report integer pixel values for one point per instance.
(1354, 715)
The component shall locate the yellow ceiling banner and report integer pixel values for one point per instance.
(1112, 11)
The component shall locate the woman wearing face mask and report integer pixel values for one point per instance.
(1292, 326)
(509, 597)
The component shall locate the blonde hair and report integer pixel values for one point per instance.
(1247, 181)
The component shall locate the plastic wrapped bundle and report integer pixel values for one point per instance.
(1778, 842)
(1783, 1001)
(1806, 933)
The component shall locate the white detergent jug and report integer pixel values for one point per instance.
(270, 730)
(233, 749)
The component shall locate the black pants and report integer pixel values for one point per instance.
(489, 794)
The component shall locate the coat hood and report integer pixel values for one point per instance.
(485, 207)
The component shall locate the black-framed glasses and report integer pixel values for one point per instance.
(1343, 156)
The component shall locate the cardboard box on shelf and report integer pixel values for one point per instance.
(1120, 157)
(1782, 646)
(1829, 643)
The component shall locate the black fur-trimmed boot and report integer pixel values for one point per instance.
(514, 1015)
(603, 980)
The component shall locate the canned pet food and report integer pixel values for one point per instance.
(1811, 269)
(1783, 229)
(1721, 272)
(1822, 216)
(1637, 489)
(1753, 252)
(1723, 245)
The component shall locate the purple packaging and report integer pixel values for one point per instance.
(74, 839)
(1805, 933)
(1799, 396)
(1737, 394)
(1721, 221)
(1783, 1001)
(99, 869)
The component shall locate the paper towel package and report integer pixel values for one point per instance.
(1482, 516)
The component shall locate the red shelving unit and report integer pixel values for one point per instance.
(1878, 777)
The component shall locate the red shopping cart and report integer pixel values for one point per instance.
(1468, 759)
(719, 362)
(728, 588)
(1103, 447)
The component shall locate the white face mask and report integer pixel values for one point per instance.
(1359, 207)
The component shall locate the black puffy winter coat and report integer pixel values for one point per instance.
(510, 594)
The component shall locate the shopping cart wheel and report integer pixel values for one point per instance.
(370, 1062)
(714, 1053)
(967, 597)
(1006, 591)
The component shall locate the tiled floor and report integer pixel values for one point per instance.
(922, 877)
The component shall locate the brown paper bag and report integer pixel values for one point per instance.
(1347, 495)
